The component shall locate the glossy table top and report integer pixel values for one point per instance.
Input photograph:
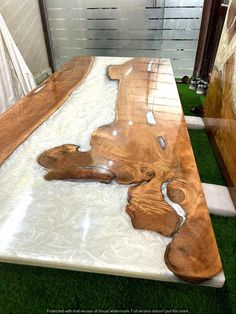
(84, 225)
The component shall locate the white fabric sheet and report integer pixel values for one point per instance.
(16, 79)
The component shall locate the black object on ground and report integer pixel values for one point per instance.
(198, 111)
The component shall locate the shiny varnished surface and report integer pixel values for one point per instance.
(220, 106)
(17, 123)
(231, 21)
(148, 145)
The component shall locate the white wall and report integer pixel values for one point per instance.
(24, 22)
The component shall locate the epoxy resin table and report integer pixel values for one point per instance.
(104, 179)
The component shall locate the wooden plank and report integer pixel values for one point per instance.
(220, 118)
(18, 122)
(220, 106)
(148, 145)
(213, 18)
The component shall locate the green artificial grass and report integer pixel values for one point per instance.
(26, 289)
(189, 98)
(206, 162)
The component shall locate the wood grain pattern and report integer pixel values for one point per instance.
(231, 21)
(18, 122)
(220, 121)
(148, 146)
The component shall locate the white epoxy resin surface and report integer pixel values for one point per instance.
(75, 225)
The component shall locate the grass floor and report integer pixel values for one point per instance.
(25, 289)
(189, 98)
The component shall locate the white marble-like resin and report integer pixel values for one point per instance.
(194, 122)
(150, 118)
(218, 200)
(72, 225)
(176, 207)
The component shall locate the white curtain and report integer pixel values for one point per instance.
(16, 79)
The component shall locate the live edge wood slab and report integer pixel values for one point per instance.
(147, 146)
(220, 105)
(18, 122)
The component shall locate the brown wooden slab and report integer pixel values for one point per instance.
(148, 145)
(220, 121)
(18, 122)
(220, 105)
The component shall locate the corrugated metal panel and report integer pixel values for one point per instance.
(148, 28)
